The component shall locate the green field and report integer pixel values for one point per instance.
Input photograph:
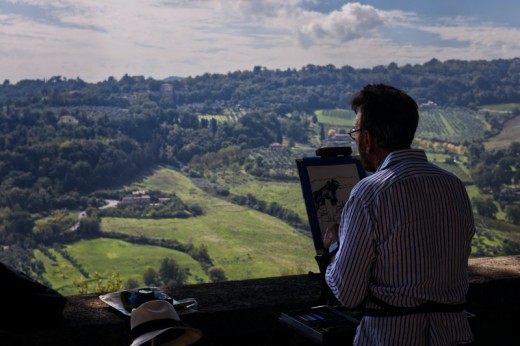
(232, 232)
(60, 272)
(502, 107)
(246, 243)
(107, 256)
(229, 115)
(511, 133)
(337, 117)
(250, 244)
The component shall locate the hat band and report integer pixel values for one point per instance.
(154, 325)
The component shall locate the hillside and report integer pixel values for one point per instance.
(246, 243)
(216, 158)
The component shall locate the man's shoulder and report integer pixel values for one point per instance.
(371, 184)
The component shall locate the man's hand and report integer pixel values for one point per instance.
(331, 235)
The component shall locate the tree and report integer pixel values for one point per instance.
(513, 214)
(217, 274)
(213, 125)
(171, 273)
(151, 277)
(131, 283)
(201, 254)
(486, 177)
(189, 121)
(485, 207)
(89, 227)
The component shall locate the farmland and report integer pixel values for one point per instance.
(248, 243)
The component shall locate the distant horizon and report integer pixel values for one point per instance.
(168, 78)
(94, 40)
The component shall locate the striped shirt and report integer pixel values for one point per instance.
(405, 237)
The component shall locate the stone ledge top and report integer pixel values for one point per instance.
(252, 307)
(484, 269)
(287, 291)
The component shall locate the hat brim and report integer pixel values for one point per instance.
(173, 336)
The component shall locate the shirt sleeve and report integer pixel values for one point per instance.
(348, 275)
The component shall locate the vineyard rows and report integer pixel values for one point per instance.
(230, 115)
(280, 160)
(439, 129)
(454, 125)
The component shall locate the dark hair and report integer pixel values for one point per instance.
(389, 114)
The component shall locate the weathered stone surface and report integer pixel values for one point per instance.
(494, 268)
(246, 312)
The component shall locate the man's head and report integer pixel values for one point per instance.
(386, 118)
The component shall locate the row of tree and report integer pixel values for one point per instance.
(62, 139)
(450, 83)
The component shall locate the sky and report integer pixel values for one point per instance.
(97, 39)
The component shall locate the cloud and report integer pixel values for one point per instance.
(260, 9)
(351, 22)
(159, 38)
(484, 37)
(310, 28)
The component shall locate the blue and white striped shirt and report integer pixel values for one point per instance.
(405, 236)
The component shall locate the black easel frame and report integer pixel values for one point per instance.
(326, 181)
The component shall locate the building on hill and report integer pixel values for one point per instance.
(68, 119)
(166, 88)
(139, 199)
(428, 105)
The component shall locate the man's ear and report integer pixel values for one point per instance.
(368, 142)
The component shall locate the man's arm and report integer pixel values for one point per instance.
(348, 273)
(331, 240)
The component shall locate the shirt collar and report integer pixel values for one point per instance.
(399, 155)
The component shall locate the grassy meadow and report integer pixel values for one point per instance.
(286, 194)
(246, 243)
(336, 117)
(511, 133)
(60, 272)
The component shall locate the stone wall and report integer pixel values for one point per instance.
(247, 312)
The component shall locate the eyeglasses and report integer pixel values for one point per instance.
(353, 133)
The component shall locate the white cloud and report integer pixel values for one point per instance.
(351, 22)
(483, 37)
(158, 38)
(259, 9)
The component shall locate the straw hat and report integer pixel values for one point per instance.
(158, 321)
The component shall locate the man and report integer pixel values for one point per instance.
(405, 233)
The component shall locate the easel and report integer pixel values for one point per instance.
(326, 180)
